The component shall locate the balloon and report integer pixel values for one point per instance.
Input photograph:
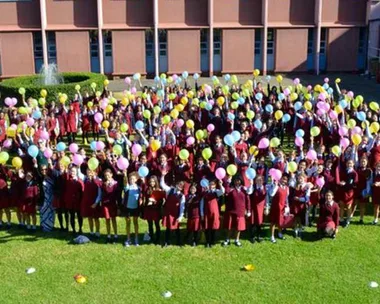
(220, 173)
(250, 173)
(139, 125)
(93, 145)
(296, 81)
(299, 141)
(253, 150)
(311, 155)
(234, 105)
(33, 151)
(256, 72)
(315, 131)
(333, 115)
(236, 136)
(275, 174)
(269, 108)
(30, 122)
(77, 159)
(105, 124)
(207, 153)
(199, 134)
(351, 123)
(21, 91)
(281, 96)
(300, 133)
(136, 149)
(48, 153)
(122, 163)
(259, 96)
(196, 76)
(298, 106)
(61, 146)
(65, 161)
(183, 154)
(190, 124)
(108, 109)
(231, 170)
(286, 91)
(190, 141)
(350, 94)
(185, 74)
(73, 148)
(293, 96)
(361, 116)
(375, 127)
(155, 145)
(286, 118)
(274, 142)
(343, 131)
(263, 143)
(278, 114)
(99, 145)
(146, 114)
(231, 116)
(279, 78)
(133, 90)
(36, 114)
(356, 139)
(235, 96)
(344, 142)
(356, 130)
(17, 162)
(250, 114)
(204, 183)
(117, 149)
(43, 93)
(229, 140)
(4, 156)
(210, 127)
(320, 181)
(292, 167)
(124, 127)
(98, 117)
(374, 106)
(258, 124)
(336, 150)
(143, 171)
(93, 163)
(308, 106)
(7, 143)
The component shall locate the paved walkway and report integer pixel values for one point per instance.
(359, 84)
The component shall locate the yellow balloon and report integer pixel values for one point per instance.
(250, 114)
(199, 134)
(375, 127)
(125, 101)
(190, 94)
(220, 101)
(166, 119)
(338, 109)
(308, 106)
(293, 96)
(207, 153)
(336, 150)
(109, 109)
(278, 114)
(65, 161)
(174, 113)
(190, 124)
(146, 114)
(4, 156)
(106, 82)
(17, 162)
(315, 131)
(170, 79)
(274, 142)
(183, 154)
(355, 103)
(234, 79)
(117, 149)
(90, 104)
(157, 110)
(179, 107)
(374, 106)
(231, 170)
(292, 167)
(256, 72)
(234, 105)
(155, 145)
(356, 139)
(351, 123)
(195, 102)
(43, 93)
(93, 163)
(253, 150)
(337, 80)
(184, 100)
(124, 127)
(105, 124)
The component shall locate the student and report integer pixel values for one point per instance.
(258, 194)
(29, 202)
(329, 216)
(193, 214)
(210, 211)
(376, 193)
(132, 203)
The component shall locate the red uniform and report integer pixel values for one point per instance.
(182, 173)
(257, 199)
(171, 210)
(52, 124)
(72, 196)
(72, 121)
(4, 195)
(152, 204)
(363, 176)
(236, 205)
(211, 211)
(298, 207)
(346, 193)
(328, 216)
(376, 190)
(278, 205)
(193, 213)
(109, 200)
(86, 125)
(90, 194)
(29, 199)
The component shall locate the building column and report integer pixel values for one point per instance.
(156, 38)
(317, 38)
(211, 36)
(100, 35)
(43, 31)
(264, 37)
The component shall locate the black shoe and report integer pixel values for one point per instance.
(342, 223)
(80, 232)
(361, 222)
(62, 229)
(253, 240)
(108, 240)
(8, 226)
(238, 244)
(259, 239)
(226, 243)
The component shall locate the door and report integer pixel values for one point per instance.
(270, 50)
(38, 53)
(149, 51)
(94, 52)
(204, 50)
(322, 52)
(217, 67)
(310, 50)
(108, 63)
(163, 47)
(258, 60)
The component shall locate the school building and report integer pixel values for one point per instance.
(121, 37)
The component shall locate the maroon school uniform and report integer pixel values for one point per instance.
(4, 195)
(109, 199)
(72, 196)
(193, 212)
(376, 190)
(159, 168)
(257, 199)
(171, 210)
(375, 155)
(363, 176)
(182, 173)
(298, 208)
(237, 204)
(211, 211)
(58, 200)
(86, 124)
(328, 216)
(278, 205)
(152, 204)
(62, 121)
(72, 121)
(2, 130)
(90, 193)
(52, 124)
(29, 199)
(346, 193)
(15, 195)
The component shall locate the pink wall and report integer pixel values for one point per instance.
(291, 50)
(16, 51)
(246, 12)
(189, 12)
(20, 14)
(128, 48)
(183, 57)
(82, 13)
(344, 11)
(128, 12)
(342, 52)
(238, 50)
(73, 51)
(291, 11)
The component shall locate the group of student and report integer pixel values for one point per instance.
(154, 164)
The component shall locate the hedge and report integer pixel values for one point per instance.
(33, 87)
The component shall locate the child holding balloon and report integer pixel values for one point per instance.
(29, 201)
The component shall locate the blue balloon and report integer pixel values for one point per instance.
(250, 173)
(93, 145)
(269, 108)
(227, 77)
(300, 133)
(229, 140)
(330, 91)
(361, 116)
(298, 106)
(343, 103)
(139, 125)
(241, 101)
(157, 79)
(179, 80)
(185, 74)
(208, 107)
(36, 115)
(143, 171)
(135, 77)
(258, 124)
(286, 118)
(326, 86)
(196, 76)
(236, 135)
(214, 78)
(160, 93)
(281, 96)
(204, 183)
(33, 151)
(61, 146)
(164, 81)
(231, 116)
(259, 96)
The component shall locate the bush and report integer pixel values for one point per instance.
(33, 87)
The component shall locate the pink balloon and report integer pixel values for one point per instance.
(127, 80)
(356, 130)
(275, 174)
(321, 96)
(30, 121)
(333, 115)
(286, 92)
(44, 135)
(8, 101)
(100, 145)
(321, 112)
(7, 143)
(326, 80)
(122, 163)
(320, 104)
(190, 141)
(14, 101)
(136, 149)
(320, 181)
(311, 155)
(133, 90)
(344, 142)
(77, 159)
(13, 126)
(98, 117)
(104, 103)
(208, 89)
(326, 107)
(220, 173)
(73, 148)
(210, 127)
(180, 123)
(263, 143)
(48, 153)
(309, 88)
(175, 77)
(296, 81)
(211, 102)
(350, 94)
(343, 131)
(299, 141)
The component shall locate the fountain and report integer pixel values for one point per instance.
(49, 75)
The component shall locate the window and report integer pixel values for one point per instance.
(163, 39)
(204, 41)
(323, 40)
(217, 41)
(38, 52)
(270, 42)
(258, 33)
(362, 39)
(310, 41)
(94, 44)
(149, 43)
(52, 49)
(107, 40)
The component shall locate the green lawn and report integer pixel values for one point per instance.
(291, 271)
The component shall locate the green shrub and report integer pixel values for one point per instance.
(33, 87)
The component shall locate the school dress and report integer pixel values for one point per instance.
(62, 122)
(363, 176)
(29, 198)
(171, 210)
(328, 216)
(3, 130)
(236, 205)
(86, 123)
(72, 121)
(278, 205)
(91, 195)
(375, 155)
(52, 128)
(257, 200)
(182, 173)
(109, 199)
(346, 193)
(376, 190)
(193, 213)
(299, 208)
(4, 195)
(72, 196)
(211, 211)
(60, 180)
(152, 207)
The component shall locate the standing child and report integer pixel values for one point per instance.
(299, 202)
(258, 201)
(376, 193)
(193, 214)
(29, 202)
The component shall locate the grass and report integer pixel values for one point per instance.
(291, 271)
